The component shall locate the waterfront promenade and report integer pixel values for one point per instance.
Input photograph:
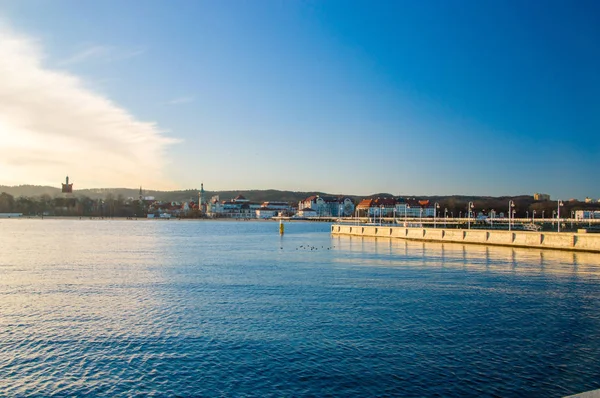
(585, 242)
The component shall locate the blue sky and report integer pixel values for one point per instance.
(436, 97)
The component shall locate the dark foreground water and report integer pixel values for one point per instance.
(174, 308)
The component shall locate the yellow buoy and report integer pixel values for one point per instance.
(281, 227)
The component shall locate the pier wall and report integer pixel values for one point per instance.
(549, 240)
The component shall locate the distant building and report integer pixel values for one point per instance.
(328, 206)
(276, 205)
(389, 207)
(377, 207)
(588, 200)
(307, 212)
(587, 214)
(240, 199)
(266, 212)
(541, 196)
(414, 208)
(214, 207)
(66, 187)
(238, 207)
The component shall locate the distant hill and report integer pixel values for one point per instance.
(179, 196)
(29, 190)
(254, 195)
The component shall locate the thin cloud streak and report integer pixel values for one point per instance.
(181, 100)
(103, 53)
(87, 54)
(52, 124)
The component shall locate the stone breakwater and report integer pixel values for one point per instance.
(548, 240)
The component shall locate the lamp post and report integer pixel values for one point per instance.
(406, 207)
(469, 207)
(572, 216)
(543, 215)
(394, 213)
(511, 204)
(560, 203)
(492, 215)
(380, 215)
(436, 206)
(421, 217)
(533, 217)
(527, 212)
(445, 216)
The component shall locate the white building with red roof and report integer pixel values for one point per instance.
(328, 206)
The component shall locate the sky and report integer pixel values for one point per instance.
(358, 97)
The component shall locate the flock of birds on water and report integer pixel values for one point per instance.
(311, 248)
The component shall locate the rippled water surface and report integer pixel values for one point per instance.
(184, 308)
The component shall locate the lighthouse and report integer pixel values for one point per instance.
(201, 198)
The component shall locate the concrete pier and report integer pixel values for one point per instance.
(544, 240)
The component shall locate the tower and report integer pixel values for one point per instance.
(201, 198)
(66, 187)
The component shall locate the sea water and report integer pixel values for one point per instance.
(231, 308)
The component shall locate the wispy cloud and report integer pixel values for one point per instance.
(52, 124)
(97, 52)
(181, 100)
(133, 53)
(100, 52)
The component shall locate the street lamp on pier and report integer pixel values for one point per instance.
(572, 216)
(527, 212)
(406, 207)
(436, 206)
(469, 207)
(445, 216)
(533, 217)
(559, 205)
(380, 215)
(511, 205)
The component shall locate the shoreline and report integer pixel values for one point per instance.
(88, 218)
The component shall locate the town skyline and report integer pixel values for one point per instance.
(488, 98)
(30, 190)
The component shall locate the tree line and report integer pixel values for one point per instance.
(45, 205)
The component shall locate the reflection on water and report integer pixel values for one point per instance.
(398, 252)
(168, 308)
